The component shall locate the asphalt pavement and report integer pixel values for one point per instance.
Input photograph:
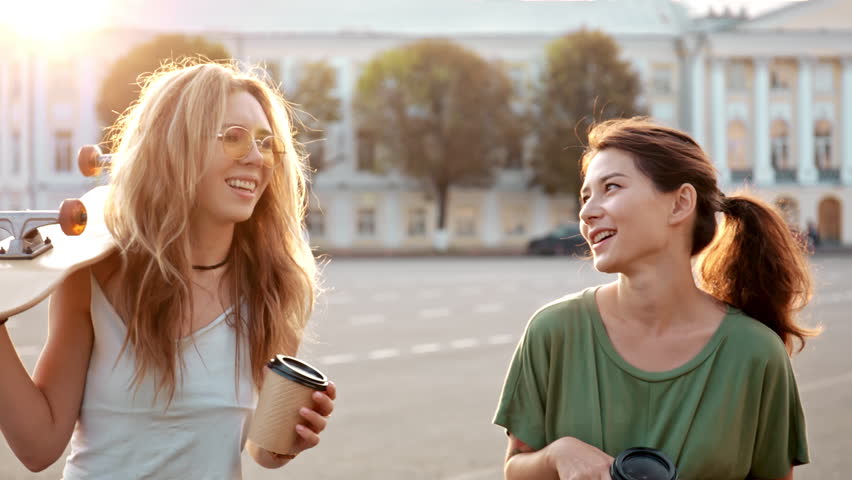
(419, 347)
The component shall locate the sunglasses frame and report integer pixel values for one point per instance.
(276, 160)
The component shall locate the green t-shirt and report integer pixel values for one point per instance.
(731, 412)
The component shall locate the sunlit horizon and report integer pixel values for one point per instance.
(52, 21)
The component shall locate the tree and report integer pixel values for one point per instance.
(439, 111)
(583, 81)
(121, 88)
(316, 108)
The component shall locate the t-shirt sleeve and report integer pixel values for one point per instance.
(781, 441)
(521, 409)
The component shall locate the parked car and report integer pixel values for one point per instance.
(564, 240)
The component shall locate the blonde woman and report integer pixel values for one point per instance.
(155, 355)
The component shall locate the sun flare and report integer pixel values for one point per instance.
(51, 21)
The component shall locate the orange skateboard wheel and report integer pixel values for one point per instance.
(72, 217)
(89, 160)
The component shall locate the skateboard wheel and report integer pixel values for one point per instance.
(88, 160)
(72, 217)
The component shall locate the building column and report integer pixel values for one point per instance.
(720, 120)
(88, 131)
(697, 97)
(41, 136)
(491, 218)
(846, 124)
(392, 225)
(541, 213)
(341, 225)
(5, 135)
(807, 173)
(763, 172)
(346, 81)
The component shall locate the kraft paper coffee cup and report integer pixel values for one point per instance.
(288, 384)
(642, 464)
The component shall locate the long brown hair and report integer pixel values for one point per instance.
(163, 141)
(754, 262)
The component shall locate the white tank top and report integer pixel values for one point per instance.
(124, 435)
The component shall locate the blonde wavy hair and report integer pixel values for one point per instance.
(161, 146)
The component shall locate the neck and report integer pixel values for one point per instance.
(659, 296)
(211, 242)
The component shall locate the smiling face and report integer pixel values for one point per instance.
(624, 218)
(230, 188)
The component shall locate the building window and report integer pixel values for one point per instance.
(515, 220)
(737, 143)
(315, 222)
(465, 222)
(780, 147)
(737, 78)
(16, 153)
(780, 78)
(366, 221)
(661, 80)
(822, 146)
(824, 77)
(62, 151)
(417, 222)
(366, 151)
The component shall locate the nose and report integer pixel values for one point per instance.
(590, 211)
(253, 157)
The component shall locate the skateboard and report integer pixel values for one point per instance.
(45, 246)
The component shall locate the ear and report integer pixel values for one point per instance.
(684, 200)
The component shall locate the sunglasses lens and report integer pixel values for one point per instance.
(237, 142)
(272, 150)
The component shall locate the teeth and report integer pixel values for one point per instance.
(242, 184)
(603, 235)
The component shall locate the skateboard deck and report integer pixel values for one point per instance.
(27, 281)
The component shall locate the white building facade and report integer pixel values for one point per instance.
(769, 98)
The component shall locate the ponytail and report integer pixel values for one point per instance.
(756, 264)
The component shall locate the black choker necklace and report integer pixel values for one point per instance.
(210, 267)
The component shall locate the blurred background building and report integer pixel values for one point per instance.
(769, 97)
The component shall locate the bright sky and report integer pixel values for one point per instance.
(50, 20)
(753, 7)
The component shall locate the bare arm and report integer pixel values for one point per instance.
(522, 462)
(38, 413)
(566, 457)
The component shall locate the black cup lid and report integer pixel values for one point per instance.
(298, 371)
(643, 464)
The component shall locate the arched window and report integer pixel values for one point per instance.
(829, 220)
(780, 152)
(738, 160)
(822, 146)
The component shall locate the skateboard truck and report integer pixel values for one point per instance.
(91, 161)
(27, 243)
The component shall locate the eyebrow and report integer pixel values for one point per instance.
(261, 130)
(604, 179)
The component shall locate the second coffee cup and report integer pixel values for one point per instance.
(288, 385)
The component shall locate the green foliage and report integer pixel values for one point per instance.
(439, 112)
(121, 88)
(584, 81)
(316, 107)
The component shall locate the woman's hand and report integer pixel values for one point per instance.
(315, 420)
(576, 460)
